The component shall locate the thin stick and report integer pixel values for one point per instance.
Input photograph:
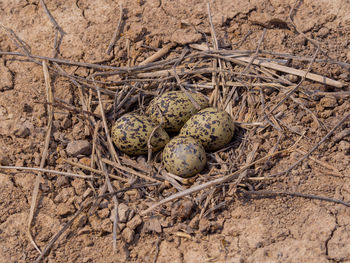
(63, 229)
(333, 171)
(294, 194)
(115, 201)
(129, 170)
(53, 21)
(161, 52)
(72, 175)
(317, 145)
(38, 178)
(95, 170)
(215, 182)
(117, 30)
(104, 121)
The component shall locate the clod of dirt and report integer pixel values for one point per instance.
(328, 102)
(153, 225)
(64, 209)
(135, 222)
(184, 37)
(123, 213)
(6, 82)
(80, 147)
(128, 235)
(344, 146)
(209, 227)
(79, 186)
(21, 131)
(339, 136)
(182, 210)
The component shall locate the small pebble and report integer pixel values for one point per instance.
(328, 102)
(123, 213)
(80, 147)
(128, 235)
(135, 222)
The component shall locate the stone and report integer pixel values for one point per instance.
(6, 82)
(344, 146)
(64, 209)
(79, 186)
(153, 225)
(66, 123)
(185, 36)
(328, 102)
(123, 213)
(103, 213)
(21, 131)
(135, 222)
(79, 147)
(128, 235)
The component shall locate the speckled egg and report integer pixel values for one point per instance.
(184, 156)
(214, 128)
(175, 108)
(131, 132)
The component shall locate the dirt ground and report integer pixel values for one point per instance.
(256, 229)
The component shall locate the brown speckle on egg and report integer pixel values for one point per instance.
(214, 128)
(131, 132)
(174, 108)
(184, 156)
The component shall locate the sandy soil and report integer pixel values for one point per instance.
(264, 229)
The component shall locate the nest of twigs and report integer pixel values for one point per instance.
(254, 86)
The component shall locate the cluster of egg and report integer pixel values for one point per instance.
(200, 128)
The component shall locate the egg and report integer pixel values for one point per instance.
(175, 108)
(184, 156)
(131, 132)
(212, 127)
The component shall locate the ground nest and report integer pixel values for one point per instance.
(265, 93)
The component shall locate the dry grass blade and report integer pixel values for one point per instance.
(53, 21)
(72, 175)
(117, 30)
(105, 126)
(59, 233)
(330, 133)
(129, 170)
(49, 94)
(95, 170)
(294, 194)
(161, 52)
(209, 184)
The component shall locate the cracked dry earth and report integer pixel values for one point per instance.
(280, 229)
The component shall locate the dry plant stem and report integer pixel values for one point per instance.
(63, 229)
(317, 145)
(295, 88)
(94, 141)
(215, 79)
(117, 31)
(109, 140)
(129, 170)
(157, 249)
(49, 95)
(53, 21)
(161, 52)
(256, 53)
(95, 170)
(72, 175)
(323, 164)
(19, 43)
(115, 201)
(294, 194)
(209, 184)
(194, 102)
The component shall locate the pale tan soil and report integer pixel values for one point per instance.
(280, 229)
